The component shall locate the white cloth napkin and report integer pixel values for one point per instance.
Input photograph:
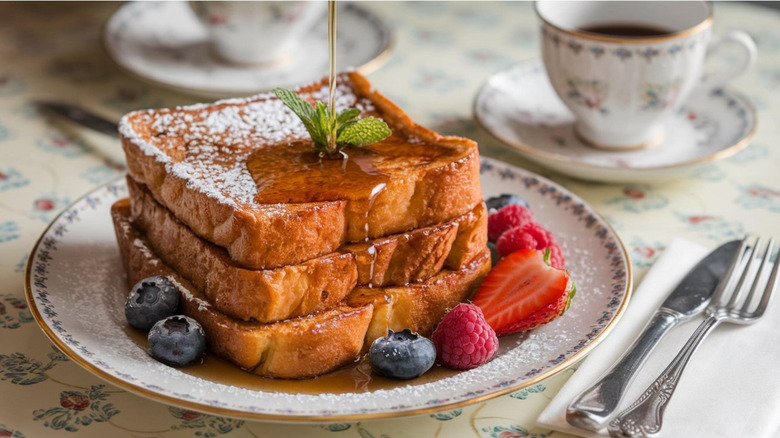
(731, 386)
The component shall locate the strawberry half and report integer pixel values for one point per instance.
(523, 292)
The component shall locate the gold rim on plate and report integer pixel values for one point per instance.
(170, 400)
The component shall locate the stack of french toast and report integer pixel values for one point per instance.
(293, 263)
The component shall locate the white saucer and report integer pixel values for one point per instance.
(164, 43)
(519, 107)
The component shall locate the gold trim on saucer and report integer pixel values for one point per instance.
(699, 27)
(605, 147)
(164, 398)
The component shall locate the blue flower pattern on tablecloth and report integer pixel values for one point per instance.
(7, 432)
(448, 415)
(752, 153)
(206, 426)
(8, 231)
(59, 144)
(638, 198)
(643, 254)
(100, 174)
(13, 312)
(524, 393)
(759, 196)
(19, 369)
(513, 431)
(77, 409)
(711, 172)
(712, 227)
(11, 178)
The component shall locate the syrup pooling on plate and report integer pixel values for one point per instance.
(356, 377)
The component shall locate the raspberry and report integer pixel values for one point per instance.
(513, 215)
(463, 338)
(530, 236)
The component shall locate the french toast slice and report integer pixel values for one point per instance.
(301, 347)
(419, 307)
(294, 290)
(241, 173)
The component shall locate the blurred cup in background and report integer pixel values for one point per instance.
(257, 32)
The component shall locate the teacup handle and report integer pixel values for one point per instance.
(720, 78)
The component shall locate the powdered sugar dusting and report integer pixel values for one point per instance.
(208, 144)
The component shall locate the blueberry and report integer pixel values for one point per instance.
(498, 202)
(402, 355)
(494, 257)
(151, 300)
(177, 340)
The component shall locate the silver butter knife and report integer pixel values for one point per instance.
(593, 407)
(80, 116)
(92, 121)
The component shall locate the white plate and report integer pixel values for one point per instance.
(164, 43)
(520, 107)
(75, 285)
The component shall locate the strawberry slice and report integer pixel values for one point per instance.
(523, 292)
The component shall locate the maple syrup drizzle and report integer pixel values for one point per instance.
(372, 252)
(332, 70)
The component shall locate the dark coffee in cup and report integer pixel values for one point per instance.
(627, 29)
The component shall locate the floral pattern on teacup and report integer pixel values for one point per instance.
(659, 96)
(589, 93)
(649, 53)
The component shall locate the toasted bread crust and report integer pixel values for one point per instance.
(471, 239)
(296, 348)
(320, 283)
(265, 236)
(264, 295)
(419, 307)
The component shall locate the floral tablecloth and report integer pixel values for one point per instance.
(443, 52)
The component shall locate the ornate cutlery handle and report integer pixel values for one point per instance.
(595, 405)
(645, 417)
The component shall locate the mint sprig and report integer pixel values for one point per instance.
(348, 128)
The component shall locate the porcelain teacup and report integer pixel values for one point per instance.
(621, 87)
(257, 32)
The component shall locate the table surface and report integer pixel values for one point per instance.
(443, 53)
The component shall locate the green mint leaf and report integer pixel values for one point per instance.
(364, 132)
(347, 118)
(323, 122)
(547, 253)
(302, 109)
(348, 128)
(348, 115)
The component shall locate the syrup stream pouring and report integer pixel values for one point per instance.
(332, 72)
(594, 406)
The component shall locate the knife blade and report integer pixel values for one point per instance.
(82, 117)
(594, 406)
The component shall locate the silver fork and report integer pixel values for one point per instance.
(645, 417)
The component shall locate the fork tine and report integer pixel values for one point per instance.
(732, 273)
(759, 276)
(770, 288)
(740, 285)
